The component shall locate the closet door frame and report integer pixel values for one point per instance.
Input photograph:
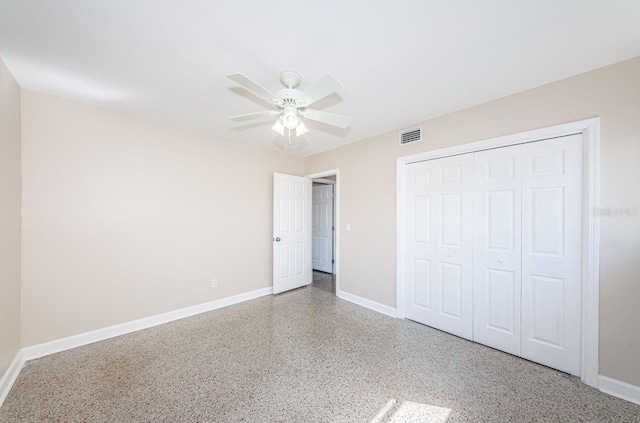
(590, 131)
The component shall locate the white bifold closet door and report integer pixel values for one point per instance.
(527, 255)
(525, 226)
(439, 244)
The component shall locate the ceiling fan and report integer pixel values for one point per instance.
(291, 104)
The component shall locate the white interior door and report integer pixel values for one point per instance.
(322, 228)
(291, 232)
(551, 252)
(439, 244)
(497, 248)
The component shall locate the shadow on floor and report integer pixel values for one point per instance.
(324, 281)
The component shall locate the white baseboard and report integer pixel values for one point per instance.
(620, 389)
(10, 376)
(40, 350)
(380, 308)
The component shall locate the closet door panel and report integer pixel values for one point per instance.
(419, 247)
(497, 248)
(551, 256)
(454, 255)
(438, 246)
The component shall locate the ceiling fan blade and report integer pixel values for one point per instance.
(333, 119)
(249, 116)
(323, 87)
(252, 86)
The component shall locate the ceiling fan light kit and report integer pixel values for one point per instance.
(290, 117)
(301, 129)
(279, 127)
(291, 104)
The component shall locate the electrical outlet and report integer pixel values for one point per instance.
(214, 283)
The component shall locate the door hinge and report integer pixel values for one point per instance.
(333, 261)
(333, 228)
(333, 195)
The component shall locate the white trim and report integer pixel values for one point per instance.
(334, 252)
(10, 376)
(380, 308)
(590, 129)
(591, 254)
(578, 127)
(620, 389)
(40, 350)
(336, 210)
(400, 182)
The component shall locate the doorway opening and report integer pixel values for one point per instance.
(324, 223)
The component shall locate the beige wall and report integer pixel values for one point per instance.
(9, 218)
(368, 193)
(124, 218)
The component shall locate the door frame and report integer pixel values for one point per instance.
(336, 221)
(590, 130)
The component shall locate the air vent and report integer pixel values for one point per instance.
(411, 135)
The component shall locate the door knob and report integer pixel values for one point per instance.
(277, 239)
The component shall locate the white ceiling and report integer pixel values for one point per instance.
(401, 61)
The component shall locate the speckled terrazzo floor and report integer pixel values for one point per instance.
(302, 356)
